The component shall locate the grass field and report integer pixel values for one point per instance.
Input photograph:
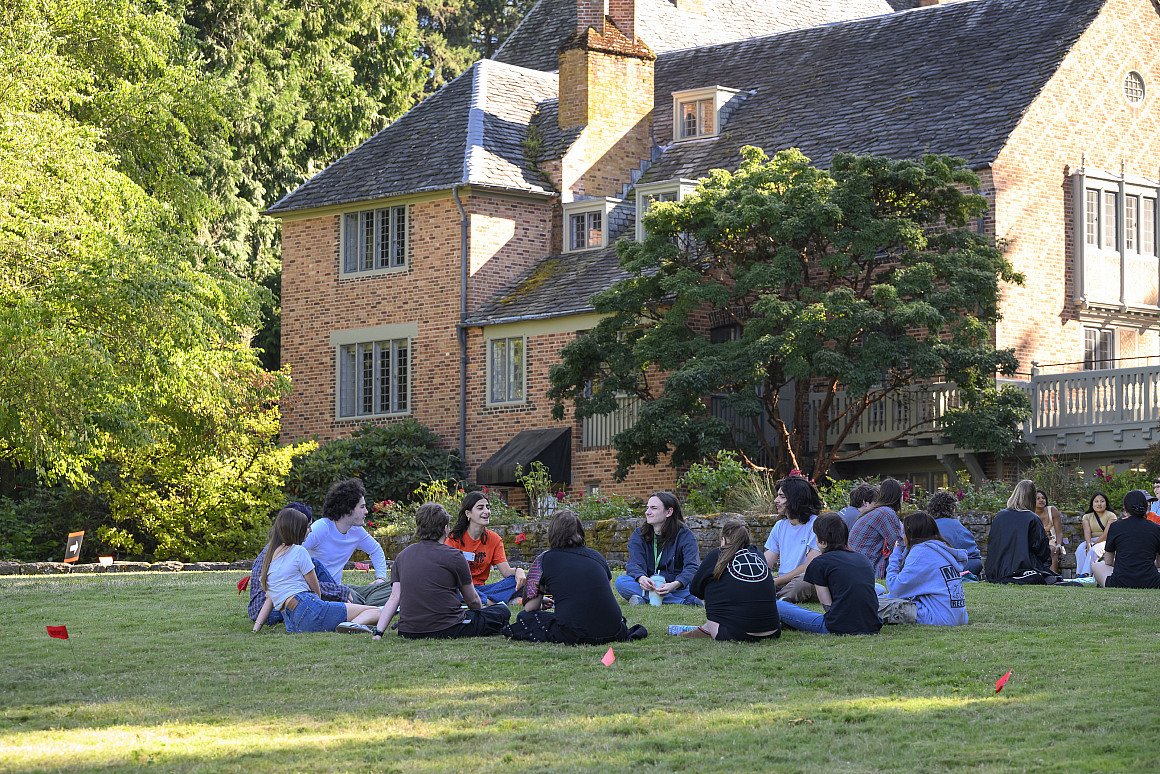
(162, 671)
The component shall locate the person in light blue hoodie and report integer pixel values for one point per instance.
(926, 570)
(942, 508)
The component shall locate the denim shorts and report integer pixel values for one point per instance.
(313, 614)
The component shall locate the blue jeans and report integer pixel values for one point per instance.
(323, 576)
(794, 617)
(312, 614)
(501, 591)
(627, 586)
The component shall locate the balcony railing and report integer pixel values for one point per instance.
(913, 411)
(599, 430)
(1108, 398)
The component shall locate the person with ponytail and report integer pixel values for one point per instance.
(845, 586)
(736, 583)
(291, 584)
(925, 569)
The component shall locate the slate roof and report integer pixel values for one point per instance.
(537, 39)
(470, 131)
(952, 79)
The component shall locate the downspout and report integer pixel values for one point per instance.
(462, 328)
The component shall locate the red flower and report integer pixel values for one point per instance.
(521, 538)
(559, 495)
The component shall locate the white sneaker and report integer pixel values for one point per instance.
(347, 627)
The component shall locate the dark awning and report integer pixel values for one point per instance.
(551, 446)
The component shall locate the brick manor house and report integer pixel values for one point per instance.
(436, 270)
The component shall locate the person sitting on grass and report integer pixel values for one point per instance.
(483, 549)
(925, 569)
(875, 534)
(1095, 522)
(791, 543)
(942, 508)
(1017, 547)
(845, 585)
(862, 499)
(291, 585)
(1132, 548)
(334, 538)
(662, 546)
(331, 590)
(577, 578)
(431, 576)
(738, 589)
(1052, 525)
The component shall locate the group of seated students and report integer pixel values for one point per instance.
(438, 585)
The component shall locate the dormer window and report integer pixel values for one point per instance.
(701, 112)
(586, 224)
(650, 194)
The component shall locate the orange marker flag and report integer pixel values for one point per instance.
(1002, 681)
(58, 632)
(609, 657)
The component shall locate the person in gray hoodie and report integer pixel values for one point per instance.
(926, 570)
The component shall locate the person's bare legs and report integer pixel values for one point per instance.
(1100, 571)
(362, 614)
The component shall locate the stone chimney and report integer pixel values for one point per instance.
(606, 87)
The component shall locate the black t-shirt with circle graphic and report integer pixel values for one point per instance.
(744, 598)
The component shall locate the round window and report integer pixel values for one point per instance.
(1134, 87)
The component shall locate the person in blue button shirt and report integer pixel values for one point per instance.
(662, 546)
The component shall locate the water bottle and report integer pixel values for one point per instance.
(654, 598)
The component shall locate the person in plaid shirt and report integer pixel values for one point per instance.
(876, 532)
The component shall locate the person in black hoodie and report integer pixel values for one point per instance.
(1018, 550)
(738, 589)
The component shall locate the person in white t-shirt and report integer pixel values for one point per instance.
(336, 536)
(792, 543)
(291, 585)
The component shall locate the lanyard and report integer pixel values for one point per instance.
(658, 550)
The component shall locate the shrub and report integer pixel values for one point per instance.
(987, 496)
(712, 486)
(392, 460)
(35, 525)
(394, 517)
(599, 506)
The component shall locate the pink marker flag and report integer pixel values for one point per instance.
(609, 657)
(1002, 681)
(61, 632)
(361, 566)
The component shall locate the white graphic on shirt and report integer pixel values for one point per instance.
(749, 567)
(954, 583)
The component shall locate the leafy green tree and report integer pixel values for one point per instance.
(861, 278)
(455, 33)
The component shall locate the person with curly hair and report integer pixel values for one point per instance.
(943, 508)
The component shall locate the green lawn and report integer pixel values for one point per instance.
(168, 675)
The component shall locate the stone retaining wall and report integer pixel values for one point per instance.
(609, 537)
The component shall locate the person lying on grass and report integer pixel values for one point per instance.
(1132, 548)
(925, 569)
(738, 589)
(431, 576)
(662, 546)
(845, 586)
(577, 578)
(291, 585)
(483, 549)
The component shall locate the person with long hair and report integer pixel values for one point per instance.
(1096, 521)
(925, 569)
(433, 577)
(1132, 548)
(291, 585)
(791, 543)
(845, 585)
(943, 507)
(740, 596)
(1017, 547)
(878, 530)
(483, 549)
(1052, 525)
(663, 546)
(573, 580)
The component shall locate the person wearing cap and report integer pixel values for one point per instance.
(1132, 548)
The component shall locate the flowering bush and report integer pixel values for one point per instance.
(711, 485)
(599, 506)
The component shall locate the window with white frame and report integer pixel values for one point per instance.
(505, 368)
(586, 230)
(374, 239)
(648, 195)
(1098, 348)
(374, 378)
(700, 112)
(1118, 265)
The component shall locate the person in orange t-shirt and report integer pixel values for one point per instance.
(1154, 511)
(483, 549)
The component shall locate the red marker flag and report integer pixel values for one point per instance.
(521, 538)
(59, 632)
(243, 584)
(361, 566)
(1002, 681)
(609, 657)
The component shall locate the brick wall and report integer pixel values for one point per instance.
(1081, 114)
